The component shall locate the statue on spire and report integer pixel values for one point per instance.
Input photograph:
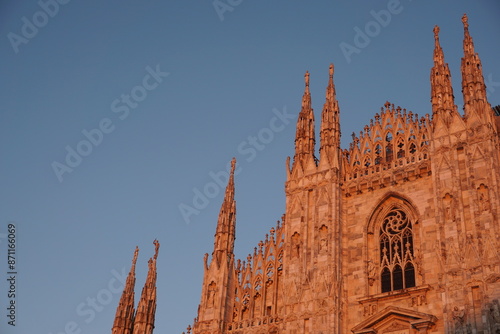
(136, 253)
(233, 165)
(157, 247)
(436, 32)
(465, 21)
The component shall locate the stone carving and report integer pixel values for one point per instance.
(396, 327)
(484, 198)
(369, 309)
(494, 317)
(212, 287)
(418, 300)
(449, 207)
(323, 239)
(459, 319)
(372, 272)
(296, 244)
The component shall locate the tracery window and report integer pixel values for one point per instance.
(396, 252)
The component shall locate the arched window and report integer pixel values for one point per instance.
(396, 252)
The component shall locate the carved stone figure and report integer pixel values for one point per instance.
(323, 242)
(296, 244)
(494, 317)
(484, 198)
(372, 272)
(211, 294)
(459, 318)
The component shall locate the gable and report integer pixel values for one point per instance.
(397, 320)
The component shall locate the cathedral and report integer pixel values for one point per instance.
(397, 234)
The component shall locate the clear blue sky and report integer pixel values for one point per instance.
(88, 66)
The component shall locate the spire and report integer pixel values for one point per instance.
(468, 43)
(218, 287)
(330, 126)
(124, 318)
(304, 137)
(226, 224)
(145, 317)
(442, 98)
(473, 87)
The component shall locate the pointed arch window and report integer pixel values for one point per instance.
(396, 252)
(401, 149)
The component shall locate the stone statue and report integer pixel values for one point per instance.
(372, 272)
(494, 318)
(211, 294)
(296, 244)
(157, 247)
(459, 317)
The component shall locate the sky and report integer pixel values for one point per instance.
(118, 120)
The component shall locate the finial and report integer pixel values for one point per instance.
(465, 21)
(331, 70)
(136, 252)
(157, 247)
(233, 165)
(306, 77)
(436, 32)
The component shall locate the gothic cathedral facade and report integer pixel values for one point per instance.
(398, 234)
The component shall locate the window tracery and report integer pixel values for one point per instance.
(396, 138)
(396, 252)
